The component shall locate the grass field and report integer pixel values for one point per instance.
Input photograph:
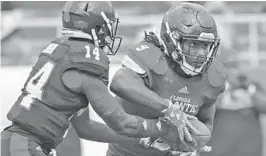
(12, 79)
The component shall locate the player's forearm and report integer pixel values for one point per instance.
(126, 124)
(206, 114)
(96, 131)
(108, 108)
(133, 90)
(142, 96)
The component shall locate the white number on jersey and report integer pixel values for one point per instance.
(50, 48)
(35, 84)
(142, 47)
(95, 52)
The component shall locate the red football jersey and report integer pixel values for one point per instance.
(148, 60)
(46, 104)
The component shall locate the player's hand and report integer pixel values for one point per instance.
(154, 143)
(205, 149)
(180, 153)
(193, 153)
(176, 117)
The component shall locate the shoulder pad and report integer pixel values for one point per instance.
(86, 57)
(55, 49)
(148, 57)
(216, 74)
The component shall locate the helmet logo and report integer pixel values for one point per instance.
(206, 36)
(81, 24)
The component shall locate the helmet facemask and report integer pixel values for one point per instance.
(95, 21)
(105, 35)
(191, 64)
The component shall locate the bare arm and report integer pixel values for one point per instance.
(206, 114)
(95, 131)
(129, 85)
(109, 110)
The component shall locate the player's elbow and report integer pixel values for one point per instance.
(80, 133)
(79, 130)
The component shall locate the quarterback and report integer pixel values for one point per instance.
(177, 65)
(70, 73)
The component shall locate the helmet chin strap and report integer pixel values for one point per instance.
(181, 59)
(188, 69)
(184, 66)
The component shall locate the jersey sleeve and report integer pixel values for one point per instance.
(87, 58)
(133, 65)
(144, 58)
(135, 59)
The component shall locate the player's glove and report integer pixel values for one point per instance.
(180, 120)
(205, 149)
(154, 143)
(161, 146)
(193, 153)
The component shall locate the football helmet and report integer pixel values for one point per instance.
(189, 22)
(95, 20)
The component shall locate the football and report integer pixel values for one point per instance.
(201, 138)
(205, 133)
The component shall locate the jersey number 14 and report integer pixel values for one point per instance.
(94, 52)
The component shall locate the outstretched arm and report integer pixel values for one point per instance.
(108, 109)
(95, 131)
(130, 83)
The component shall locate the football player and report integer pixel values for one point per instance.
(70, 73)
(178, 66)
